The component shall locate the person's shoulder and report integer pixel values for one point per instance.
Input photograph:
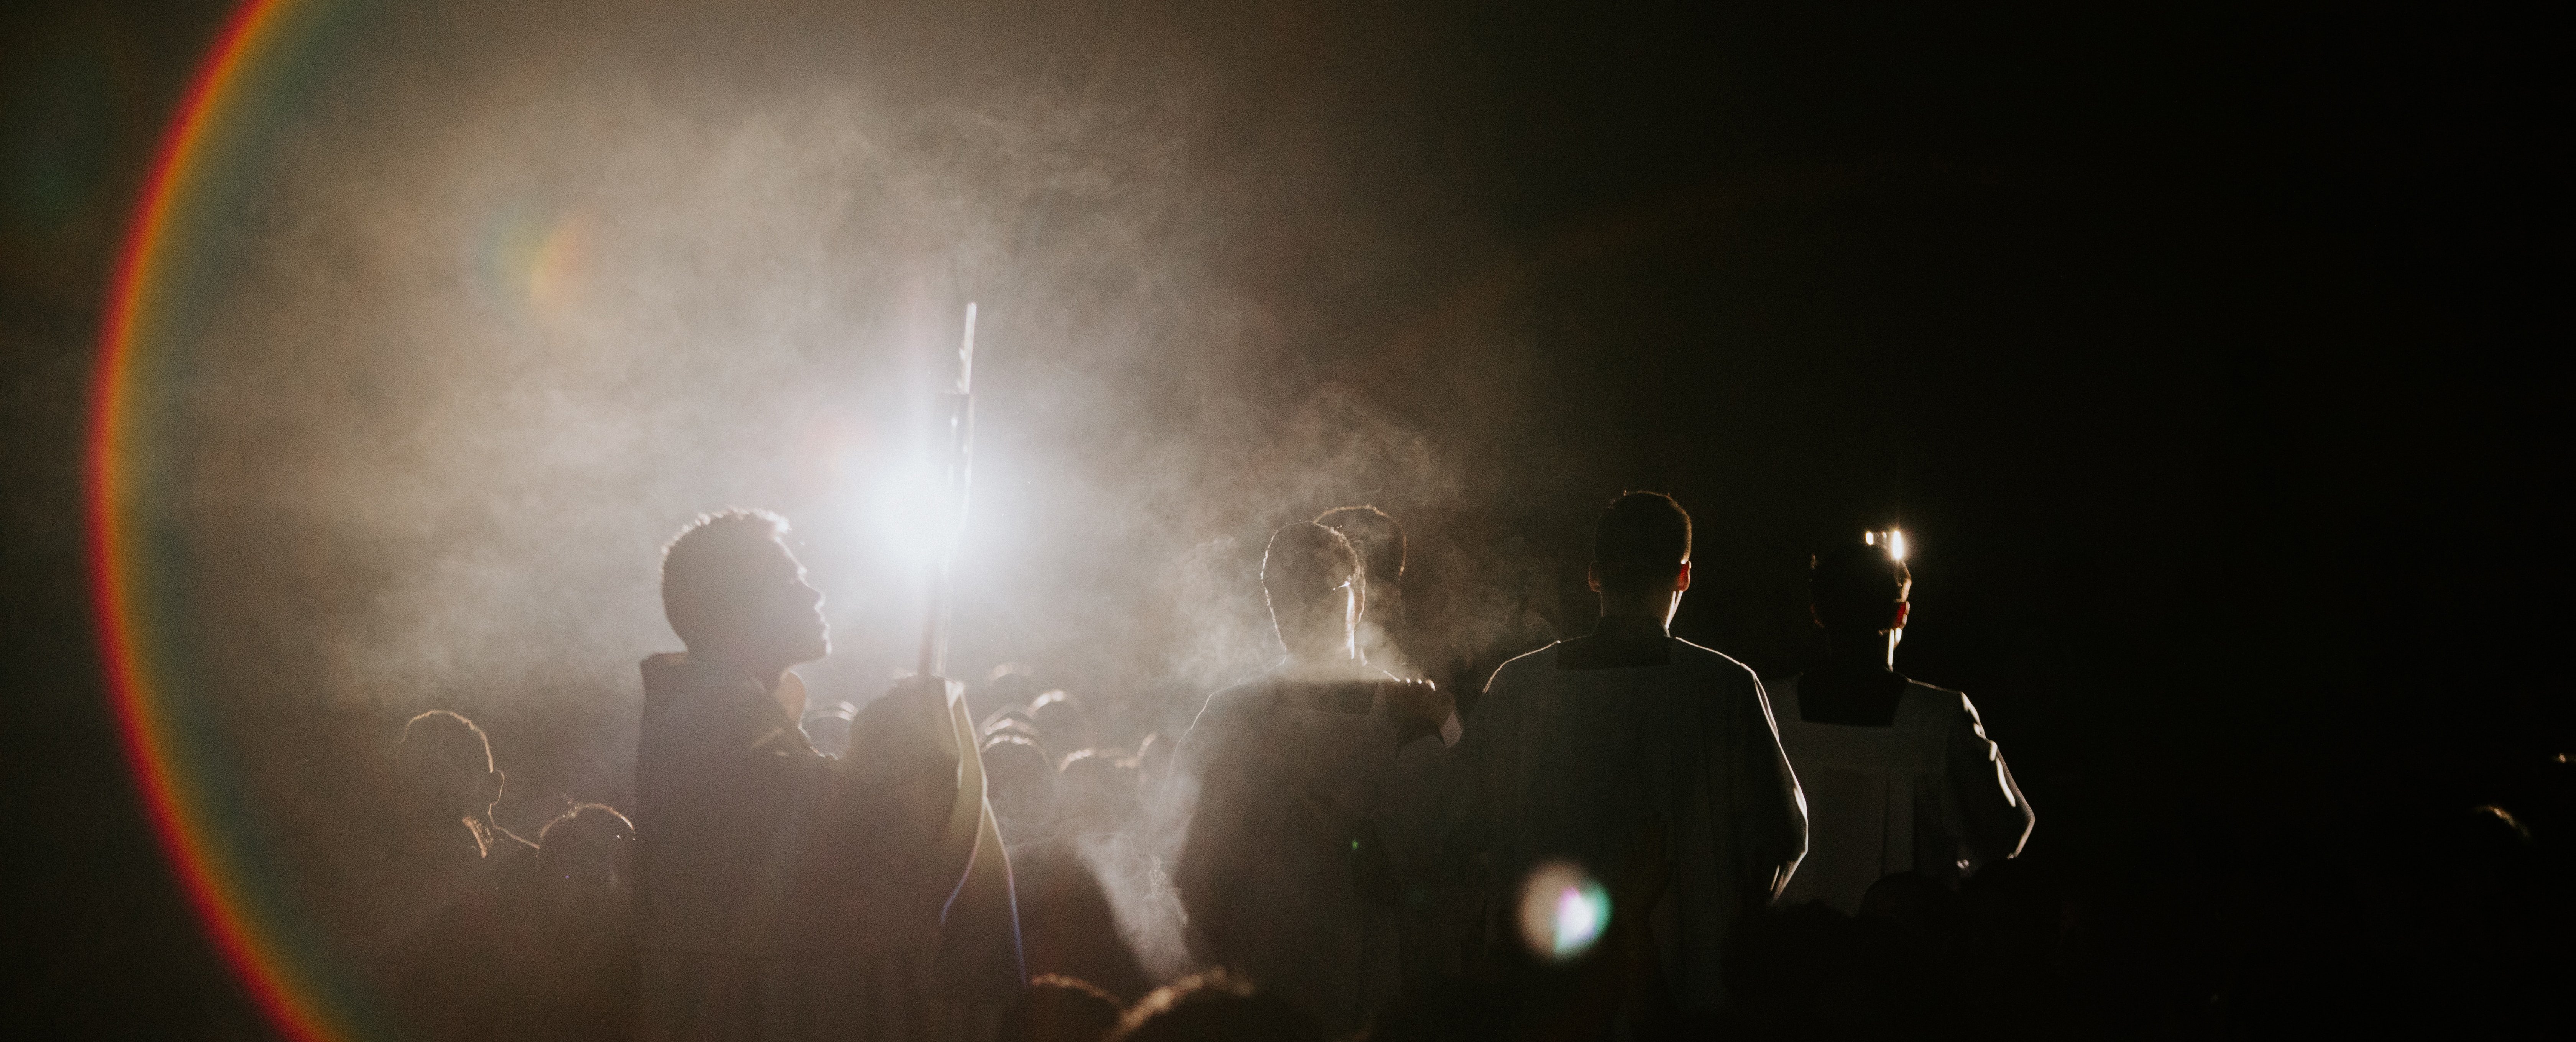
(1242, 693)
(1940, 699)
(662, 670)
(1715, 665)
(1228, 704)
(1523, 666)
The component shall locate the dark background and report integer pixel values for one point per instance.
(2204, 351)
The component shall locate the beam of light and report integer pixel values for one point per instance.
(193, 810)
(1563, 911)
(1895, 544)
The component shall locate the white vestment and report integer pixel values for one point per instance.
(1928, 793)
(1573, 764)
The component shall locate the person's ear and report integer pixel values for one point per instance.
(1903, 608)
(1682, 581)
(1592, 577)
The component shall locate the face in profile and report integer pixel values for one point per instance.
(782, 613)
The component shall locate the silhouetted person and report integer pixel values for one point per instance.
(1217, 1006)
(1057, 1008)
(1062, 720)
(1581, 746)
(1100, 791)
(779, 893)
(1013, 722)
(448, 878)
(1022, 787)
(1433, 910)
(1067, 923)
(1283, 872)
(447, 786)
(578, 965)
(1899, 775)
(1379, 542)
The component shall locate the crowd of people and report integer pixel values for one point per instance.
(1618, 835)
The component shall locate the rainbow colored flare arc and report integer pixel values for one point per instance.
(181, 801)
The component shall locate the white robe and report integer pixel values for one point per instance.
(1928, 793)
(1571, 764)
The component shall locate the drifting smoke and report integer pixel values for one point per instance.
(512, 296)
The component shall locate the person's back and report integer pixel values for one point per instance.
(447, 876)
(1582, 745)
(578, 963)
(1899, 775)
(1881, 799)
(1575, 762)
(1282, 780)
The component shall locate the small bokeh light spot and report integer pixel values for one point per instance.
(1563, 911)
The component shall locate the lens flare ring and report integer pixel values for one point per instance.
(1563, 911)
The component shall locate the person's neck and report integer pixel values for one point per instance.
(729, 668)
(1633, 627)
(1861, 652)
(439, 835)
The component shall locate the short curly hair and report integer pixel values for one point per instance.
(703, 565)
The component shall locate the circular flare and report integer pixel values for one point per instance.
(1563, 911)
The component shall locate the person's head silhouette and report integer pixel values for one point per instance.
(444, 770)
(1379, 542)
(1641, 557)
(739, 599)
(587, 852)
(1312, 580)
(1859, 591)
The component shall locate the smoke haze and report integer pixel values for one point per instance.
(512, 296)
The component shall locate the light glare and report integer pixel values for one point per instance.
(1563, 911)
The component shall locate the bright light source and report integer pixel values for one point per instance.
(907, 508)
(1563, 911)
(1895, 545)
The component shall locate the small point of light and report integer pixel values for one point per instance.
(1563, 911)
(1869, 539)
(1895, 545)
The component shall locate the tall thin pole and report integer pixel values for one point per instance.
(955, 442)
